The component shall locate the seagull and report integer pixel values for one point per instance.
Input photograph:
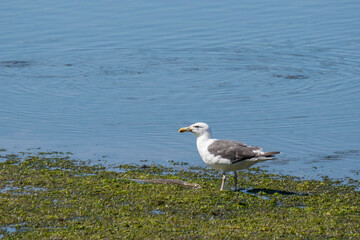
(225, 155)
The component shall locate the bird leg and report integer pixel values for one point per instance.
(223, 181)
(235, 179)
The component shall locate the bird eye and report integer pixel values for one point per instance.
(196, 126)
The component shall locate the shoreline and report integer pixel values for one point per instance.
(50, 195)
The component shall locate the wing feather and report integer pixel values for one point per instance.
(232, 150)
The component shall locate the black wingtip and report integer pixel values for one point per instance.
(270, 154)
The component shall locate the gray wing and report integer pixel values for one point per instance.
(233, 150)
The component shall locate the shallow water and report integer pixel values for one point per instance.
(116, 80)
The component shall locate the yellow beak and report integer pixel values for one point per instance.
(184, 129)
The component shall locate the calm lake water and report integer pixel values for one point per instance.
(115, 80)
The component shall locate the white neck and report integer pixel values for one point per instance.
(202, 143)
(203, 138)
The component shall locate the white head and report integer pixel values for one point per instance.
(199, 129)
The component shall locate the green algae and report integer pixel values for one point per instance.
(51, 196)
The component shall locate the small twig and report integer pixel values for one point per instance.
(168, 181)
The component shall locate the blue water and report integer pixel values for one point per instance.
(115, 80)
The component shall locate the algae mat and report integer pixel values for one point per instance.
(51, 196)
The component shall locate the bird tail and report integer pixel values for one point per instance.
(270, 154)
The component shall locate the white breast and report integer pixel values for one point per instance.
(215, 162)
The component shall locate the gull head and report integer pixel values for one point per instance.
(199, 129)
